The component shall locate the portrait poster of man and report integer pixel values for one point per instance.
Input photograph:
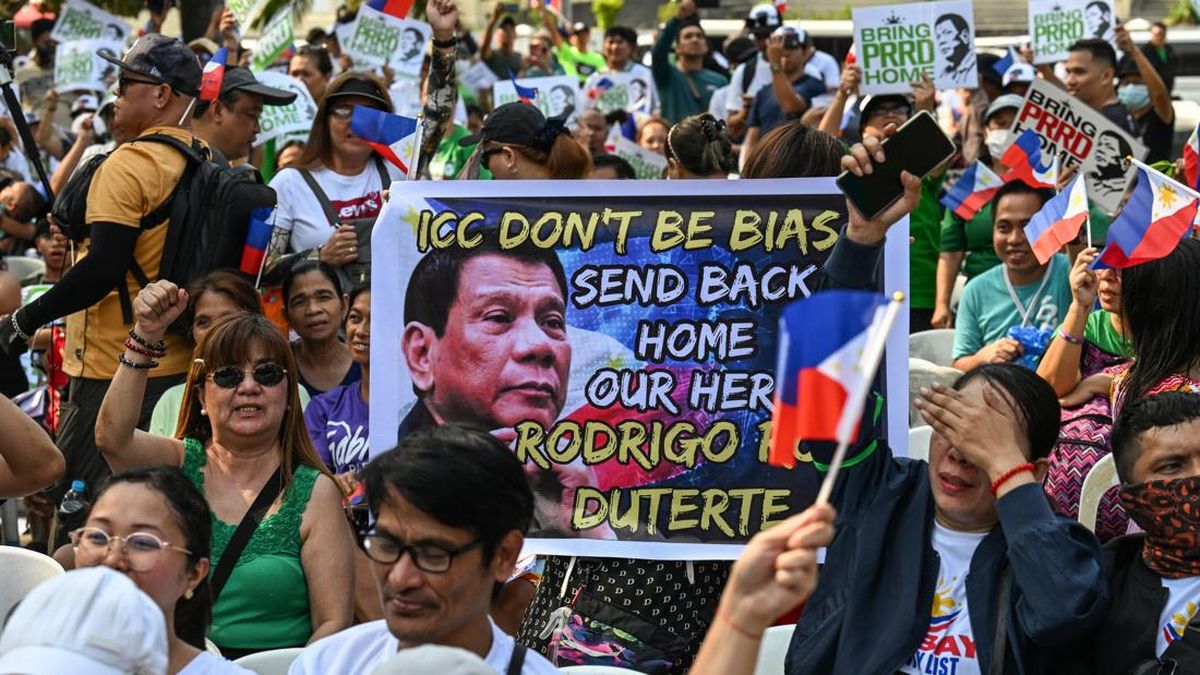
(1054, 25)
(559, 95)
(378, 39)
(897, 44)
(1080, 137)
(623, 347)
(632, 92)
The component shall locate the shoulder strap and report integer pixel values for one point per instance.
(385, 179)
(517, 661)
(326, 206)
(1000, 643)
(245, 530)
(748, 71)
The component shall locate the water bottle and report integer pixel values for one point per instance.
(73, 510)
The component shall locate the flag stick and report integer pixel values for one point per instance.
(416, 153)
(263, 263)
(852, 410)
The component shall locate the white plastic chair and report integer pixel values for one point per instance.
(773, 650)
(960, 282)
(921, 375)
(1102, 477)
(23, 267)
(935, 346)
(596, 670)
(273, 662)
(23, 570)
(918, 442)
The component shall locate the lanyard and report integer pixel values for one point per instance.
(1033, 302)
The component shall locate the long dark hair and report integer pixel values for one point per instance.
(793, 150)
(1160, 315)
(319, 150)
(1034, 400)
(702, 145)
(190, 510)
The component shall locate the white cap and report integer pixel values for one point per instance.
(434, 659)
(1019, 72)
(84, 104)
(93, 621)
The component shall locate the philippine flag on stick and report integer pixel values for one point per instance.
(1059, 220)
(1024, 161)
(1159, 214)
(1191, 159)
(257, 238)
(396, 8)
(526, 94)
(823, 346)
(973, 191)
(396, 138)
(213, 75)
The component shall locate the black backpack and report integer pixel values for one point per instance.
(209, 210)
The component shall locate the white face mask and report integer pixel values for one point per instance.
(996, 141)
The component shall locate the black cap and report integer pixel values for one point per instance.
(517, 123)
(162, 59)
(623, 32)
(241, 79)
(361, 87)
(741, 49)
(507, 21)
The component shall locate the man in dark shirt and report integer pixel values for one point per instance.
(1143, 93)
(1161, 55)
(792, 89)
(1091, 65)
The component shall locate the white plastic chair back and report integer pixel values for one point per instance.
(923, 374)
(24, 267)
(935, 346)
(1102, 477)
(273, 662)
(773, 650)
(22, 571)
(918, 442)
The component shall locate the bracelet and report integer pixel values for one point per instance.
(160, 346)
(449, 42)
(138, 349)
(736, 628)
(137, 366)
(1007, 475)
(12, 318)
(1069, 338)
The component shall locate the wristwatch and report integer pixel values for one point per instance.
(776, 68)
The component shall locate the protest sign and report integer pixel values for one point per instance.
(896, 44)
(379, 39)
(84, 21)
(478, 77)
(245, 11)
(78, 67)
(277, 36)
(634, 361)
(1054, 25)
(631, 92)
(646, 163)
(280, 120)
(557, 95)
(1081, 137)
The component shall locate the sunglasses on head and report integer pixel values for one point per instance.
(266, 374)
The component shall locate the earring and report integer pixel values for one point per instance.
(187, 595)
(203, 412)
(512, 169)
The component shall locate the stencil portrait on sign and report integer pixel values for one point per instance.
(900, 44)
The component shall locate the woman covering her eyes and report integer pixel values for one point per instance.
(241, 433)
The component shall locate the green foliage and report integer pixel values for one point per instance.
(606, 12)
(1182, 13)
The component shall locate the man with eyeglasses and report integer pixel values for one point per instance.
(230, 123)
(159, 78)
(451, 507)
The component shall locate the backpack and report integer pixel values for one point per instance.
(209, 210)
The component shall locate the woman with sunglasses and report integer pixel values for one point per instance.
(242, 432)
(152, 525)
(518, 142)
(329, 200)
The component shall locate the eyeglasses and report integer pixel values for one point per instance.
(141, 549)
(342, 112)
(266, 374)
(883, 109)
(387, 550)
(124, 82)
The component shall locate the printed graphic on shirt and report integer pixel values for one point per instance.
(948, 647)
(1179, 623)
(347, 445)
(367, 206)
(1183, 605)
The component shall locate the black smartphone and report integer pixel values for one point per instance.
(918, 147)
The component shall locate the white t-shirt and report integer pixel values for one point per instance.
(357, 650)
(1179, 612)
(207, 663)
(949, 646)
(352, 197)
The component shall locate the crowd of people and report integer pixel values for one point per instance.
(219, 427)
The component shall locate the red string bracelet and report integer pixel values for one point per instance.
(1007, 475)
(736, 628)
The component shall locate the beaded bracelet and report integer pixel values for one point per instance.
(1069, 338)
(138, 349)
(160, 346)
(137, 366)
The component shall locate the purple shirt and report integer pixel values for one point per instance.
(338, 421)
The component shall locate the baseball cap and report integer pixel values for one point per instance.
(871, 100)
(786, 31)
(581, 27)
(357, 86)
(517, 123)
(1003, 102)
(741, 49)
(84, 104)
(93, 620)
(241, 79)
(1019, 73)
(162, 59)
(763, 17)
(434, 659)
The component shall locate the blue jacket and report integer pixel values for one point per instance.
(874, 597)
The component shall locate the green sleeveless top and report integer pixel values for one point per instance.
(265, 602)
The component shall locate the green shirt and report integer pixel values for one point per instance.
(452, 157)
(974, 237)
(924, 225)
(986, 310)
(579, 64)
(1099, 331)
(681, 93)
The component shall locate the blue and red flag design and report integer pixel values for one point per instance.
(257, 238)
(1159, 214)
(526, 94)
(1010, 59)
(396, 8)
(1191, 159)
(822, 339)
(386, 133)
(973, 191)
(213, 75)
(1024, 161)
(1058, 221)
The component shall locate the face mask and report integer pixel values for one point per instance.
(996, 142)
(1169, 512)
(1134, 96)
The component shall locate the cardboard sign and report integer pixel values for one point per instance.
(81, 20)
(634, 379)
(245, 11)
(646, 164)
(277, 36)
(632, 92)
(281, 120)
(896, 44)
(1081, 137)
(478, 77)
(78, 66)
(557, 95)
(1054, 25)
(379, 39)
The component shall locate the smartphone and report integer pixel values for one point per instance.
(918, 147)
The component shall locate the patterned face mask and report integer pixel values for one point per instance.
(1169, 512)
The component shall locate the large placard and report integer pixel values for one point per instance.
(1054, 25)
(897, 44)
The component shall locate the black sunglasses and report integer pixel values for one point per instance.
(124, 82)
(266, 374)
(486, 156)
